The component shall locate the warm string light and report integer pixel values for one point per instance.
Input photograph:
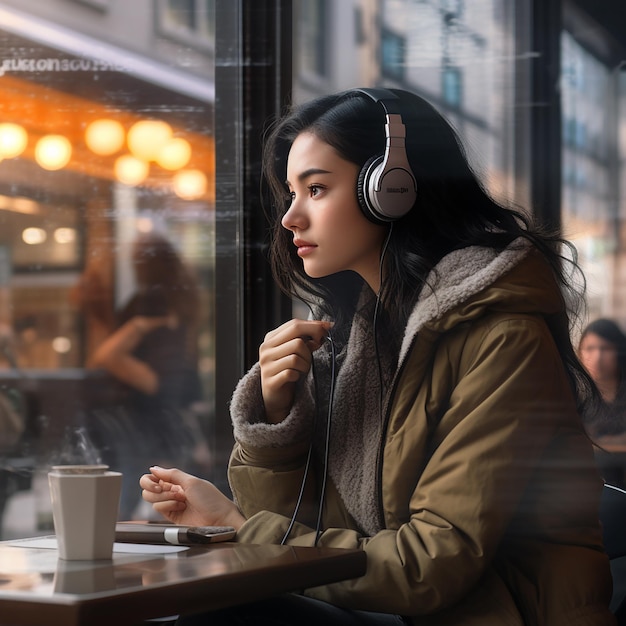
(147, 138)
(53, 152)
(130, 170)
(190, 184)
(147, 141)
(34, 236)
(105, 137)
(13, 140)
(175, 154)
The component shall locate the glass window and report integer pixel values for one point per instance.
(190, 20)
(459, 59)
(313, 46)
(107, 167)
(588, 183)
(392, 55)
(98, 4)
(452, 86)
(107, 213)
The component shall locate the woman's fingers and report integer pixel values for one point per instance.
(171, 476)
(311, 332)
(294, 356)
(285, 356)
(168, 507)
(161, 485)
(289, 347)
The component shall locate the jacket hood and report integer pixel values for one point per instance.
(471, 280)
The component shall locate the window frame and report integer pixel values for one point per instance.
(253, 77)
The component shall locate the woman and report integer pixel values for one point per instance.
(434, 385)
(602, 350)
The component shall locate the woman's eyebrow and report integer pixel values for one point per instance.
(310, 172)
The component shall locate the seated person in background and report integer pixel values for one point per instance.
(92, 296)
(153, 355)
(602, 351)
(427, 412)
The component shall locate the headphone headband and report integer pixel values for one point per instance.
(385, 97)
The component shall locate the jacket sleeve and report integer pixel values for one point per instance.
(268, 461)
(508, 396)
(248, 415)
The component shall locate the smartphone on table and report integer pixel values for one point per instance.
(174, 534)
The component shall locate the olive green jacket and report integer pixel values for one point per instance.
(485, 485)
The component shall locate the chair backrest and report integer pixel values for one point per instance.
(613, 518)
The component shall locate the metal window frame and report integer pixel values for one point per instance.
(538, 140)
(253, 79)
(538, 26)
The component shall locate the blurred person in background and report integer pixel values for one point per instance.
(153, 355)
(602, 351)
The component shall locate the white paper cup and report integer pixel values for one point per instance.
(85, 504)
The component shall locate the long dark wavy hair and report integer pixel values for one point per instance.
(452, 211)
(165, 285)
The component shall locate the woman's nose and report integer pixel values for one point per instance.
(294, 218)
(591, 360)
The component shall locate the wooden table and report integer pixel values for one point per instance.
(38, 589)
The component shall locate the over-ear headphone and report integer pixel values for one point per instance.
(386, 186)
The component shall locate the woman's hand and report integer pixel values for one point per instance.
(116, 353)
(285, 357)
(185, 499)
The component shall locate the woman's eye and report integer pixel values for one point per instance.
(314, 190)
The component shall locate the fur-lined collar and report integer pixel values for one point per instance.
(458, 276)
(357, 409)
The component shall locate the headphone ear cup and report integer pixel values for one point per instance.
(386, 185)
(363, 190)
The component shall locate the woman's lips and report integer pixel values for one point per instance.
(304, 247)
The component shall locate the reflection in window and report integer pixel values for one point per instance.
(101, 145)
(453, 8)
(188, 17)
(98, 4)
(313, 37)
(452, 86)
(393, 57)
(459, 59)
(587, 127)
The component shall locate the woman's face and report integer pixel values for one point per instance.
(599, 357)
(329, 229)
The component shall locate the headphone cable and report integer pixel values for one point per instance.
(375, 320)
(331, 396)
(307, 465)
(300, 494)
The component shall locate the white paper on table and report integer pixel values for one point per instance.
(118, 548)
